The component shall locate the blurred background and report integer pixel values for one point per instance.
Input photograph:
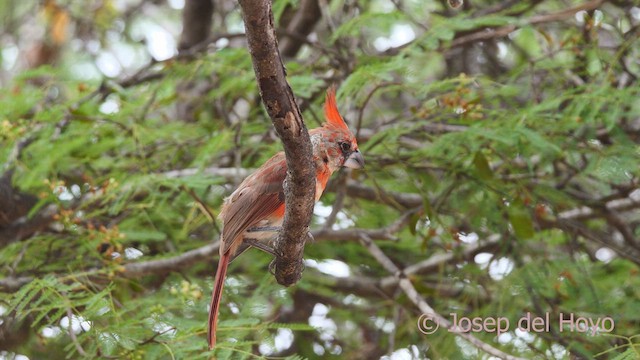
(502, 147)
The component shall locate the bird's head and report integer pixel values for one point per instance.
(333, 143)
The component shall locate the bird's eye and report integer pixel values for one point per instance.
(345, 146)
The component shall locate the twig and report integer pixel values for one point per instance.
(619, 205)
(366, 101)
(227, 173)
(13, 284)
(72, 335)
(160, 266)
(627, 234)
(437, 260)
(339, 200)
(201, 204)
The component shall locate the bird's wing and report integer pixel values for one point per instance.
(259, 197)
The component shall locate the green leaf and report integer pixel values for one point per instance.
(630, 354)
(291, 326)
(483, 170)
(520, 220)
(527, 40)
(144, 235)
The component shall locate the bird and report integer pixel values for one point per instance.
(255, 210)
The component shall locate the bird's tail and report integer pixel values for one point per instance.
(215, 298)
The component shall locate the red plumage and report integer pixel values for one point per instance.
(259, 200)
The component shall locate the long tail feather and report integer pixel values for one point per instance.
(216, 295)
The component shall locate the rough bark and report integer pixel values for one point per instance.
(279, 101)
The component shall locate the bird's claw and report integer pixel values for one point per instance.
(310, 238)
(272, 267)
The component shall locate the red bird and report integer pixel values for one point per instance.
(252, 212)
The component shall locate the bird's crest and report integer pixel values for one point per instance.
(334, 119)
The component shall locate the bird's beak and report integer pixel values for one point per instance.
(355, 160)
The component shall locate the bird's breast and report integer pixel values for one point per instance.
(322, 177)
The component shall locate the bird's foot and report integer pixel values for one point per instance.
(272, 267)
(264, 228)
(261, 246)
(310, 238)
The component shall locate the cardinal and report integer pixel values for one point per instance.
(252, 213)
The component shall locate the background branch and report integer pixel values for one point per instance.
(196, 23)
(411, 292)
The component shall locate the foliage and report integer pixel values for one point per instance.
(500, 134)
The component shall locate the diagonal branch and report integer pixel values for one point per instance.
(411, 292)
(301, 25)
(299, 186)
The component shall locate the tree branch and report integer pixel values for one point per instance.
(486, 34)
(413, 295)
(13, 203)
(160, 266)
(196, 23)
(24, 227)
(206, 252)
(12, 284)
(616, 205)
(301, 24)
(299, 186)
